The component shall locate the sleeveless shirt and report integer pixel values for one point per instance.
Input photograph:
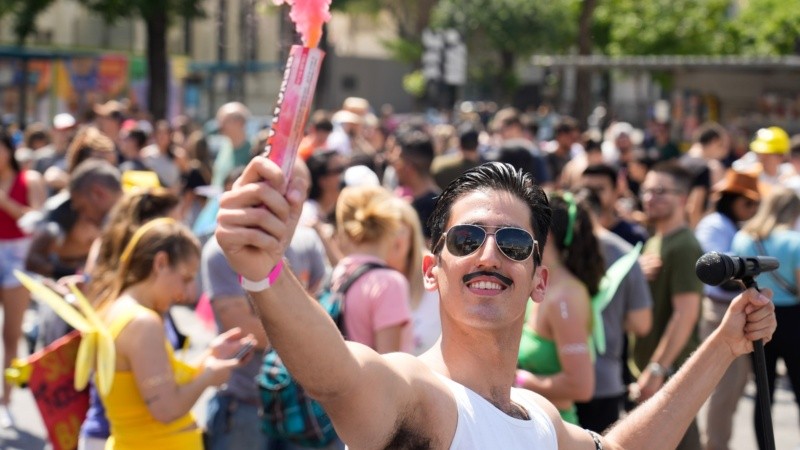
(481, 425)
(19, 193)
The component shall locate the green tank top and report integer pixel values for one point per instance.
(537, 355)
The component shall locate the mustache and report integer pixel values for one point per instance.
(485, 273)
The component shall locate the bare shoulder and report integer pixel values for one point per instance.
(143, 326)
(548, 408)
(569, 436)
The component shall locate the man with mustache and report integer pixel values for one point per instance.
(491, 221)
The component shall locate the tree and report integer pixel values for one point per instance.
(583, 79)
(410, 18)
(156, 14)
(24, 13)
(499, 32)
(769, 27)
(664, 27)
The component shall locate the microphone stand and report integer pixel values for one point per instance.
(762, 386)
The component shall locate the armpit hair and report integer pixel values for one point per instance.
(406, 437)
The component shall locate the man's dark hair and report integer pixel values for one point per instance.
(591, 145)
(508, 117)
(708, 133)
(565, 125)
(416, 149)
(530, 124)
(36, 132)
(318, 168)
(321, 121)
(681, 177)
(95, 172)
(603, 170)
(590, 199)
(500, 177)
(468, 137)
(138, 136)
(724, 206)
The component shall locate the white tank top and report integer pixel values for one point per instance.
(481, 425)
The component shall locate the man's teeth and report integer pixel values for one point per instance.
(485, 285)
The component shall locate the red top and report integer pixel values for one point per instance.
(18, 193)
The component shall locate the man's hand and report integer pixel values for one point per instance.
(651, 265)
(648, 384)
(751, 316)
(256, 219)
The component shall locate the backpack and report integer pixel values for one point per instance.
(287, 412)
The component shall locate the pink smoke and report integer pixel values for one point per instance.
(308, 17)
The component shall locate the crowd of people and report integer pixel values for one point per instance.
(597, 256)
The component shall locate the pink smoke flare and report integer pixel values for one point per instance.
(308, 17)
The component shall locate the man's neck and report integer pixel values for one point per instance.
(471, 155)
(668, 226)
(609, 220)
(421, 185)
(483, 361)
(237, 140)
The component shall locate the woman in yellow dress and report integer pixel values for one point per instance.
(149, 403)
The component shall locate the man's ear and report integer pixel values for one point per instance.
(430, 272)
(539, 287)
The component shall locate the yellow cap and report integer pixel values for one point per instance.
(772, 141)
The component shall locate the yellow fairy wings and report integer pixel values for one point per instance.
(96, 349)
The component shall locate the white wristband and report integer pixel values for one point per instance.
(262, 285)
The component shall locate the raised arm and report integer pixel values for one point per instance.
(659, 423)
(365, 394)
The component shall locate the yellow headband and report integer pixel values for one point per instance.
(138, 235)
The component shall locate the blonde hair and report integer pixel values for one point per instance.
(136, 261)
(781, 208)
(366, 214)
(413, 268)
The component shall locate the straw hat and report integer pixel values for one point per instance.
(741, 183)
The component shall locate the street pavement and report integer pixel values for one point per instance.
(29, 433)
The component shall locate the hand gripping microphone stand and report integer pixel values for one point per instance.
(714, 269)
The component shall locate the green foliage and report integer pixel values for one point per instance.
(404, 50)
(769, 27)
(414, 84)
(112, 10)
(498, 32)
(519, 26)
(24, 13)
(357, 6)
(664, 27)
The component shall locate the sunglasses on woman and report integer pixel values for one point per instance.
(464, 239)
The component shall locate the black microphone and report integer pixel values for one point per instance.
(716, 268)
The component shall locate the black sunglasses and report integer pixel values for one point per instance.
(516, 243)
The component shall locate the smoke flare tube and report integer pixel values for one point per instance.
(292, 108)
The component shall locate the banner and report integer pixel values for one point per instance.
(52, 373)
